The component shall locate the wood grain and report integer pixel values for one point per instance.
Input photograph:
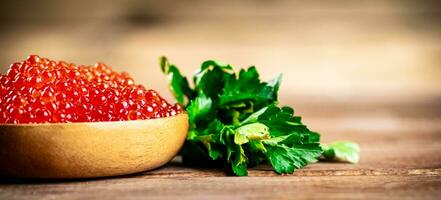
(282, 187)
(88, 150)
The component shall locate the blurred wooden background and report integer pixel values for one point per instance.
(367, 71)
(327, 50)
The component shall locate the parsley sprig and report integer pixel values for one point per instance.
(235, 120)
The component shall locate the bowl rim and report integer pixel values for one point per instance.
(90, 123)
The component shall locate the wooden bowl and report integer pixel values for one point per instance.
(86, 150)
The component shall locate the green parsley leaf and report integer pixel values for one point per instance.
(342, 151)
(255, 131)
(235, 121)
(200, 109)
(285, 159)
(248, 87)
(178, 83)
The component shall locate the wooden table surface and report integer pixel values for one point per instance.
(400, 159)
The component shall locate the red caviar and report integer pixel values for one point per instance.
(39, 90)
